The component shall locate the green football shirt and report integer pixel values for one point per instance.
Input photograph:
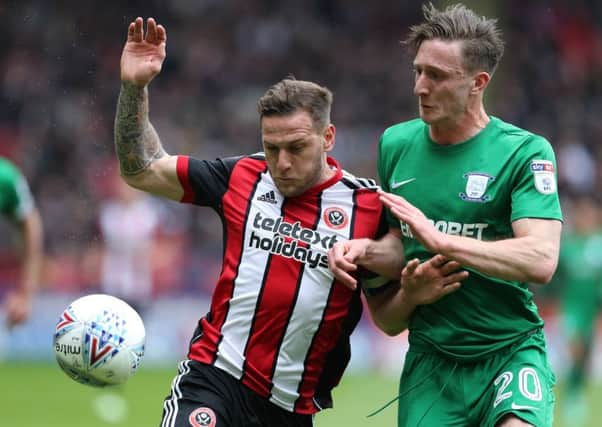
(475, 189)
(580, 277)
(15, 197)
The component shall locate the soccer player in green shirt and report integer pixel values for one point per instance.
(479, 191)
(16, 204)
(579, 276)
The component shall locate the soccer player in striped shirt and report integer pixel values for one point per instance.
(276, 339)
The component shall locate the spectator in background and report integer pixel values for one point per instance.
(129, 222)
(17, 204)
(579, 276)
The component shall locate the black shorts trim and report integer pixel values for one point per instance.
(206, 395)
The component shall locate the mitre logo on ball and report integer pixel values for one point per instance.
(99, 340)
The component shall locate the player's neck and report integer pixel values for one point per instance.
(327, 173)
(461, 130)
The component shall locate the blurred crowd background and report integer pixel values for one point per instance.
(59, 81)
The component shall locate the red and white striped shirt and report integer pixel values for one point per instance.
(279, 322)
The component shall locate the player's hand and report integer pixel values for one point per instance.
(342, 257)
(18, 307)
(143, 54)
(422, 228)
(428, 282)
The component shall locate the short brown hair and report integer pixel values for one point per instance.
(290, 95)
(483, 46)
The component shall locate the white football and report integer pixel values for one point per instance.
(99, 340)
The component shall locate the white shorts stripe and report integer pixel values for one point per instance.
(170, 405)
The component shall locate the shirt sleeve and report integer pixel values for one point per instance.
(17, 201)
(204, 181)
(535, 194)
(383, 168)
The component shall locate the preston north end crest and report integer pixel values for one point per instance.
(476, 186)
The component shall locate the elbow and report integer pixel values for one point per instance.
(390, 329)
(544, 272)
(545, 261)
(393, 332)
(543, 279)
(137, 181)
(135, 184)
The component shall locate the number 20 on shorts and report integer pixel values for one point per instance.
(528, 385)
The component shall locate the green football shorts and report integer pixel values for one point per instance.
(438, 392)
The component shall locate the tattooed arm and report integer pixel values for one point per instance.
(143, 162)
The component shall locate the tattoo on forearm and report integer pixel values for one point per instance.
(136, 141)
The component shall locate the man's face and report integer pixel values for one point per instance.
(442, 85)
(295, 151)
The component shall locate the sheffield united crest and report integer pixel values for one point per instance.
(202, 417)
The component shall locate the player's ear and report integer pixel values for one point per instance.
(480, 82)
(329, 137)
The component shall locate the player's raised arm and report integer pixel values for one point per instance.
(143, 162)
